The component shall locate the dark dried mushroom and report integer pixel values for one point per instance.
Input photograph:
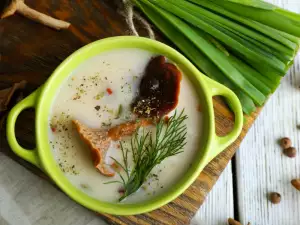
(6, 94)
(159, 89)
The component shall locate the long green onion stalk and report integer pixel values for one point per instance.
(246, 45)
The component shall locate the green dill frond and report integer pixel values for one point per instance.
(150, 149)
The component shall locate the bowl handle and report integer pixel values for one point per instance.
(220, 143)
(29, 155)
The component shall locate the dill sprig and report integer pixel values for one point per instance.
(149, 150)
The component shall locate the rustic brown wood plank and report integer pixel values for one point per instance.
(31, 51)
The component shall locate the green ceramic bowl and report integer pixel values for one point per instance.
(42, 100)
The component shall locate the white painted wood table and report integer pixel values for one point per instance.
(241, 192)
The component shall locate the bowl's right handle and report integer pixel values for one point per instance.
(220, 143)
(29, 155)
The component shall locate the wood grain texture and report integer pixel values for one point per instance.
(31, 51)
(261, 166)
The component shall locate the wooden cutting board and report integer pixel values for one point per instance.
(30, 51)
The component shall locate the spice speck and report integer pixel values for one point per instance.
(109, 91)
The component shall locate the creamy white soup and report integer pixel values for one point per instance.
(99, 94)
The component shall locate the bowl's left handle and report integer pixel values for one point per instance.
(220, 143)
(29, 155)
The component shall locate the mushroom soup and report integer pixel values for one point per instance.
(104, 110)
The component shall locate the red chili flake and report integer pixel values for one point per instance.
(121, 191)
(109, 91)
(118, 146)
(53, 129)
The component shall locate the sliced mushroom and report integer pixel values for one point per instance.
(99, 140)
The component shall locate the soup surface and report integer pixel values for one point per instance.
(99, 93)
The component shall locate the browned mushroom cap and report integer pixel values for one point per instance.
(99, 140)
(127, 129)
(20, 7)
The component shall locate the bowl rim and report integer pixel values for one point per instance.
(111, 208)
